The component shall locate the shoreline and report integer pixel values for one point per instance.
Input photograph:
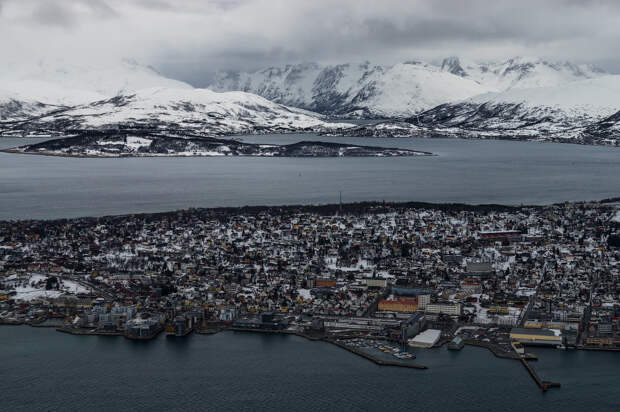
(369, 207)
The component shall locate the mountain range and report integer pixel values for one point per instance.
(401, 90)
(57, 100)
(520, 98)
(583, 111)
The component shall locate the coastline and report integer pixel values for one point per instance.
(371, 207)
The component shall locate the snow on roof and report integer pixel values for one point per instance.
(429, 336)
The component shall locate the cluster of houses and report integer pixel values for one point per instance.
(539, 269)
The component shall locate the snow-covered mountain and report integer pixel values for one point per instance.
(365, 90)
(520, 72)
(56, 82)
(354, 90)
(55, 98)
(606, 131)
(190, 111)
(581, 112)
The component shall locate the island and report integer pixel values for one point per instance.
(134, 143)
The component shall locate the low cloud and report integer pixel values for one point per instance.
(191, 39)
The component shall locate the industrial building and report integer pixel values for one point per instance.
(545, 337)
(426, 339)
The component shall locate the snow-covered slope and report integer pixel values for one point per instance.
(53, 97)
(572, 104)
(16, 107)
(363, 90)
(606, 130)
(401, 90)
(28, 90)
(60, 83)
(182, 111)
(520, 72)
(579, 112)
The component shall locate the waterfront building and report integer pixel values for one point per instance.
(544, 337)
(143, 328)
(426, 339)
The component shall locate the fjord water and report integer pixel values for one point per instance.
(46, 370)
(469, 171)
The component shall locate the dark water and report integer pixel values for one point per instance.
(45, 370)
(465, 171)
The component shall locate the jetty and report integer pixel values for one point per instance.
(543, 385)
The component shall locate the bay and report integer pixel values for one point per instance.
(468, 171)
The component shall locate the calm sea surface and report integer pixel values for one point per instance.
(471, 171)
(45, 370)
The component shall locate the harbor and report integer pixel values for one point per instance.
(243, 361)
(371, 349)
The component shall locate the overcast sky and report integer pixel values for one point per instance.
(190, 39)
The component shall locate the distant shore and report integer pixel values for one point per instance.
(366, 207)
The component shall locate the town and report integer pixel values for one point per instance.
(371, 277)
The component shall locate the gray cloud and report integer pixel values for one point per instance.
(190, 39)
(53, 15)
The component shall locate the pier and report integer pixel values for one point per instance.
(88, 332)
(377, 361)
(543, 385)
(495, 351)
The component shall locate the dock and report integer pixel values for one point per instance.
(87, 332)
(377, 361)
(543, 385)
(493, 349)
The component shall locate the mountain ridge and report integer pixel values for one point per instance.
(586, 111)
(368, 90)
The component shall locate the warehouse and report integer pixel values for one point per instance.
(426, 339)
(536, 336)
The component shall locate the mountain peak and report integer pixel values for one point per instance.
(452, 65)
